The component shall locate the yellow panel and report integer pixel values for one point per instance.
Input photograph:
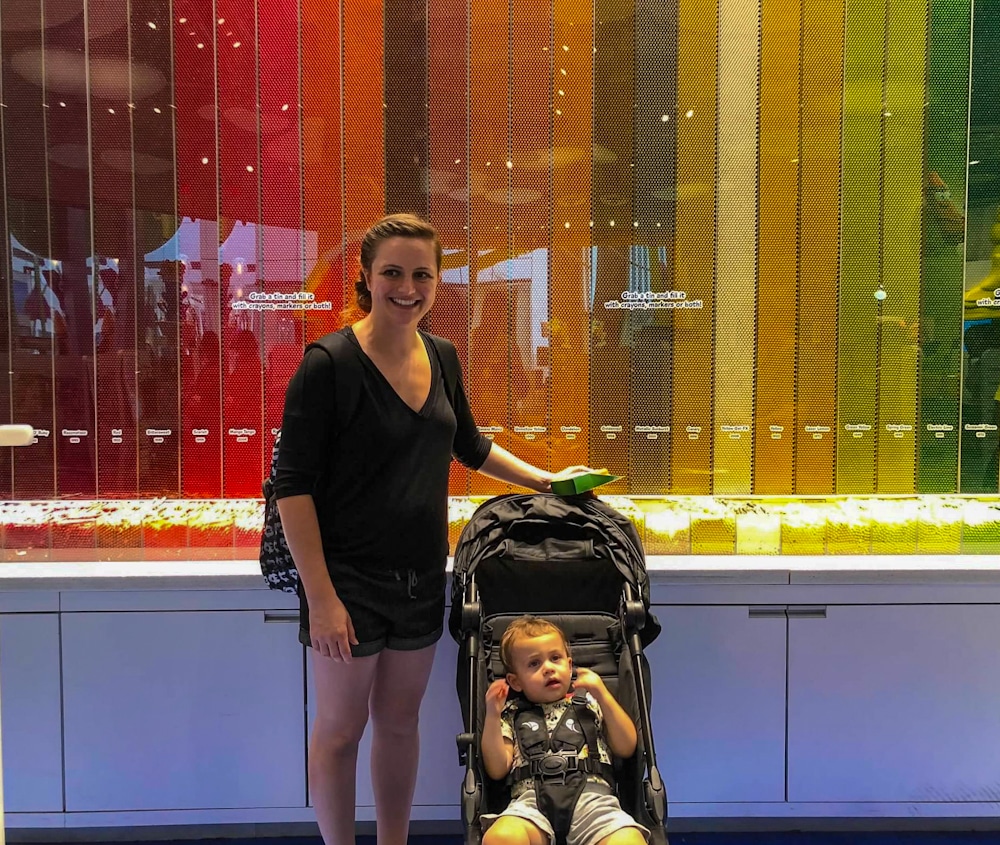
(777, 287)
(691, 423)
(569, 267)
(739, 27)
(859, 310)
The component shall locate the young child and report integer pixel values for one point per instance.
(535, 654)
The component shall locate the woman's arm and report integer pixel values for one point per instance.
(508, 467)
(330, 626)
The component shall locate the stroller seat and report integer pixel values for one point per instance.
(579, 564)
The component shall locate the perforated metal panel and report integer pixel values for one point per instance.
(780, 162)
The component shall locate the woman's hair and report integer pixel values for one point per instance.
(391, 226)
(525, 628)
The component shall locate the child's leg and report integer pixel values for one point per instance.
(512, 830)
(598, 819)
(625, 836)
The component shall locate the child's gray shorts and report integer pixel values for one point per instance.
(597, 814)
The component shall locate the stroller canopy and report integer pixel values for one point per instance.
(541, 527)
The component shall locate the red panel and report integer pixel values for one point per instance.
(197, 200)
(112, 177)
(70, 296)
(449, 201)
(281, 201)
(323, 163)
(239, 185)
(27, 214)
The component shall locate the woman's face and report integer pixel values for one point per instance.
(403, 280)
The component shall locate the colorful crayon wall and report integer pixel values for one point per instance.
(725, 247)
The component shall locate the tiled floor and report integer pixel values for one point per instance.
(799, 838)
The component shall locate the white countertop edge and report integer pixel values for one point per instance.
(722, 569)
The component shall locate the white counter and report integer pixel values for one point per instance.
(675, 569)
(785, 688)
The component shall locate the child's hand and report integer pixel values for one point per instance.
(591, 682)
(496, 697)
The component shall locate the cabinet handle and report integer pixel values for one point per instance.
(281, 616)
(767, 612)
(807, 611)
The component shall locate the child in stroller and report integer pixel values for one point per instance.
(581, 718)
(579, 564)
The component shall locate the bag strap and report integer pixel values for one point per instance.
(451, 367)
(346, 374)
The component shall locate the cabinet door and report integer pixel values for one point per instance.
(31, 713)
(895, 703)
(182, 710)
(719, 703)
(439, 777)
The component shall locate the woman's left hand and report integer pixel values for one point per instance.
(569, 472)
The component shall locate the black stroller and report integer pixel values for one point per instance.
(578, 563)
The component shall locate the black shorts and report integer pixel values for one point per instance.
(398, 609)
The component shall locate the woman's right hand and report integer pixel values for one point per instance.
(331, 630)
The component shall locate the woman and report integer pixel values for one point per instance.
(369, 536)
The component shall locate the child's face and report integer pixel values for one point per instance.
(543, 670)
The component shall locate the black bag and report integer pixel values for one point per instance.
(276, 562)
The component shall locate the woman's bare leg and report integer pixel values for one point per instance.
(342, 691)
(400, 681)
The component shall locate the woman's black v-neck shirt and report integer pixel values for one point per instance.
(380, 479)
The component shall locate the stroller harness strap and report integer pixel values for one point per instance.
(554, 762)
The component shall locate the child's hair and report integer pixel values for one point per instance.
(522, 628)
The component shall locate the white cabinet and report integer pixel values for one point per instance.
(718, 710)
(439, 776)
(32, 716)
(182, 710)
(895, 703)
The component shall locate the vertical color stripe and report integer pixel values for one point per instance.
(861, 313)
(613, 181)
(901, 241)
(697, 163)
(198, 201)
(239, 250)
(489, 228)
(819, 245)
(778, 244)
(943, 236)
(567, 342)
(655, 211)
(739, 55)
(405, 97)
(364, 119)
(980, 462)
(282, 245)
(531, 206)
(29, 220)
(7, 311)
(71, 284)
(448, 119)
(323, 164)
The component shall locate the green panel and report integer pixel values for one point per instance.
(859, 311)
(906, 42)
(943, 234)
(981, 359)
